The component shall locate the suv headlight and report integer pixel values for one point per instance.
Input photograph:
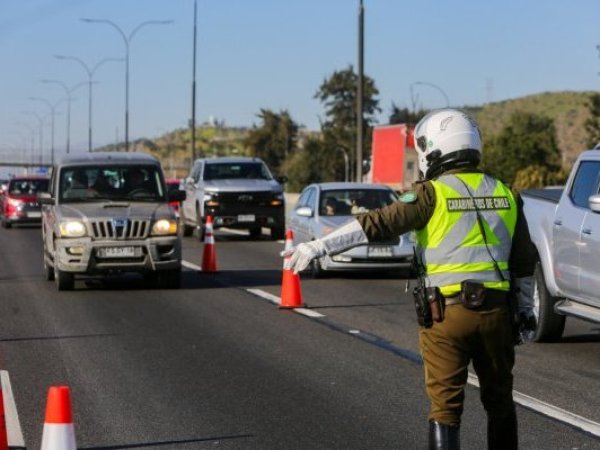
(164, 227)
(211, 199)
(72, 228)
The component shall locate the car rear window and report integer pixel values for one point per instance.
(345, 202)
(27, 187)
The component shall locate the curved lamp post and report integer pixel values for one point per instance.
(69, 98)
(90, 74)
(435, 86)
(127, 40)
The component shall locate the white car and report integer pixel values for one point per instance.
(323, 207)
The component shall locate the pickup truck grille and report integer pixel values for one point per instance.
(242, 199)
(125, 229)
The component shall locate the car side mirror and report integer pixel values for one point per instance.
(177, 195)
(282, 179)
(45, 198)
(594, 202)
(304, 211)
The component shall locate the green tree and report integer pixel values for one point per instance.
(592, 124)
(404, 115)
(526, 140)
(305, 166)
(338, 95)
(274, 140)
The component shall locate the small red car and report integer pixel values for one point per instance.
(173, 184)
(19, 203)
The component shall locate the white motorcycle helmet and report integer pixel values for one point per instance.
(446, 139)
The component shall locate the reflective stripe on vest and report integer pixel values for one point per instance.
(452, 246)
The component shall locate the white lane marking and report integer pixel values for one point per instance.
(522, 399)
(260, 293)
(550, 410)
(190, 265)
(13, 427)
(308, 312)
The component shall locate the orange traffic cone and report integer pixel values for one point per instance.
(291, 295)
(209, 257)
(59, 432)
(3, 434)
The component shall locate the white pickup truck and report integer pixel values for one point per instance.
(565, 227)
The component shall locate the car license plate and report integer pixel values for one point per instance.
(116, 252)
(246, 218)
(380, 251)
(34, 214)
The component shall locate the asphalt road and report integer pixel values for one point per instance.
(216, 365)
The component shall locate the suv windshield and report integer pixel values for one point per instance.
(248, 170)
(127, 182)
(28, 187)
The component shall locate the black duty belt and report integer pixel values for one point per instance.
(491, 296)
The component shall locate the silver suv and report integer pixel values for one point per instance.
(108, 212)
(238, 193)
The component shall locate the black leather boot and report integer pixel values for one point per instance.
(443, 437)
(502, 433)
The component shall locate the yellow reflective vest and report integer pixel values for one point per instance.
(452, 246)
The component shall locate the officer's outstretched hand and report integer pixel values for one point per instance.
(301, 255)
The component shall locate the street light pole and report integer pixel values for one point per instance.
(32, 131)
(52, 116)
(346, 164)
(127, 40)
(41, 132)
(90, 74)
(360, 94)
(69, 100)
(193, 119)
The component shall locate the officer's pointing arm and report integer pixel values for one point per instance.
(342, 239)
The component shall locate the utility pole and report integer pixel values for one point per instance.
(193, 119)
(359, 95)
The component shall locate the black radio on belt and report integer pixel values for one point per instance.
(472, 294)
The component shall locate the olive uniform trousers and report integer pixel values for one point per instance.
(483, 336)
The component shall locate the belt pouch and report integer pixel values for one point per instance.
(437, 303)
(472, 294)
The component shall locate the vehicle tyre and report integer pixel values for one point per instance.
(48, 271)
(6, 223)
(550, 324)
(200, 226)
(255, 232)
(316, 269)
(188, 230)
(65, 281)
(278, 233)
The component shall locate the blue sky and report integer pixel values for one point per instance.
(274, 54)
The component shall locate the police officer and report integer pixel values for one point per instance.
(472, 242)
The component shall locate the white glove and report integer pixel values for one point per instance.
(303, 254)
(345, 237)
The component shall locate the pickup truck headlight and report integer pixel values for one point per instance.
(277, 200)
(72, 228)
(164, 227)
(210, 200)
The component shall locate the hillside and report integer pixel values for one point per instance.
(568, 110)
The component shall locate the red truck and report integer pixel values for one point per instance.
(394, 159)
